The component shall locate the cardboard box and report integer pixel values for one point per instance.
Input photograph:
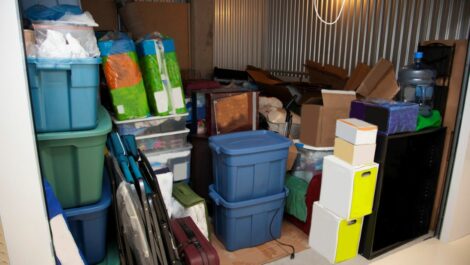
(380, 82)
(291, 157)
(356, 155)
(104, 12)
(347, 190)
(318, 117)
(171, 19)
(331, 75)
(356, 131)
(357, 76)
(334, 238)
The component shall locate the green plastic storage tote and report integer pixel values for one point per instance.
(72, 162)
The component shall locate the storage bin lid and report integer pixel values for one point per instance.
(95, 208)
(60, 63)
(248, 142)
(218, 200)
(104, 127)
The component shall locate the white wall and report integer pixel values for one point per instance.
(457, 213)
(22, 207)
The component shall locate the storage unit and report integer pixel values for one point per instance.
(348, 191)
(151, 125)
(64, 93)
(247, 223)
(406, 187)
(162, 141)
(309, 161)
(72, 162)
(335, 238)
(249, 165)
(177, 160)
(88, 226)
(355, 155)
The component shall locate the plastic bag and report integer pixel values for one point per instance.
(83, 34)
(161, 74)
(41, 12)
(84, 19)
(123, 76)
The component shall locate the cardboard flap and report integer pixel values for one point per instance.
(337, 98)
(357, 76)
(261, 77)
(380, 82)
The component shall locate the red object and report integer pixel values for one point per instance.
(193, 247)
(313, 195)
(200, 85)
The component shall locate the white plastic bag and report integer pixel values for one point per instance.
(83, 34)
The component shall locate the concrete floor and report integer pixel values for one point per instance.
(424, 250)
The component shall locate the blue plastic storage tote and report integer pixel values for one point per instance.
(249, 165)
(88, 226)
(64, 93)
(248, 223)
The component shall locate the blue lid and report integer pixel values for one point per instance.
(168, 45)
(418, 55)
(103, 204)
(219, 200)
(248, 142)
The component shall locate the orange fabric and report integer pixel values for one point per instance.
(121, 71)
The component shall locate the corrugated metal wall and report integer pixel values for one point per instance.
(241, 30)
(367, 31)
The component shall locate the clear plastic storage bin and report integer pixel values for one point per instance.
(151, 125)
(309, 161)
(162, 141)
(177, 160)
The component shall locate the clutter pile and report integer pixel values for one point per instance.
(258, 145)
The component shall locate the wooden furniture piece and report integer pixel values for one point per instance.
(404, 195)
(450, 115)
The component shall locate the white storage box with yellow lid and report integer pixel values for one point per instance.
(334, 238)
(356, 131)
(348, 191)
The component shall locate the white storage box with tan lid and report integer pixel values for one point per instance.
(346, 190)
(356, 131)
(355, 155)
(334, 238)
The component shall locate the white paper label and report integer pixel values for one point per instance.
(120, 109)
(162, 101)
(177, 97)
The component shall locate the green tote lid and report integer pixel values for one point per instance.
(185, 195)
(104, 127)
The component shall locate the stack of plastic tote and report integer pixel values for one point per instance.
(347, 192)
(248, 193)
(72, 127)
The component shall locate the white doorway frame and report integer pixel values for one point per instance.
(22, 206)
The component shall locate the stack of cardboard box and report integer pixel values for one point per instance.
(347, 193)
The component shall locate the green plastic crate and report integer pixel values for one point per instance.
(72, 162)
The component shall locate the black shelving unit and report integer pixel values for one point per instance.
(406, 185)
